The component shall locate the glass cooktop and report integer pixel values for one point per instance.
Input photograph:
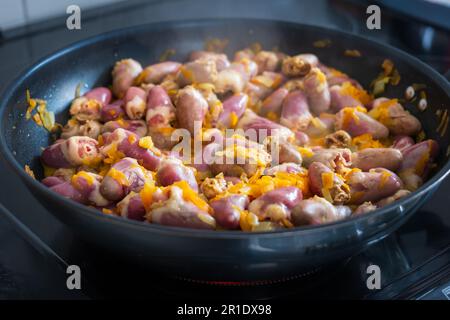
(35, 248)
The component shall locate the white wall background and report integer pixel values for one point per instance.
(15, 13)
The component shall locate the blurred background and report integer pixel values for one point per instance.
(31, 29)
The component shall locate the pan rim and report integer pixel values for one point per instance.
(7, 92)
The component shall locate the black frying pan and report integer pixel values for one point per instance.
(231, 255)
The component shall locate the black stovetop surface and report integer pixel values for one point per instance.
(35, 248)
